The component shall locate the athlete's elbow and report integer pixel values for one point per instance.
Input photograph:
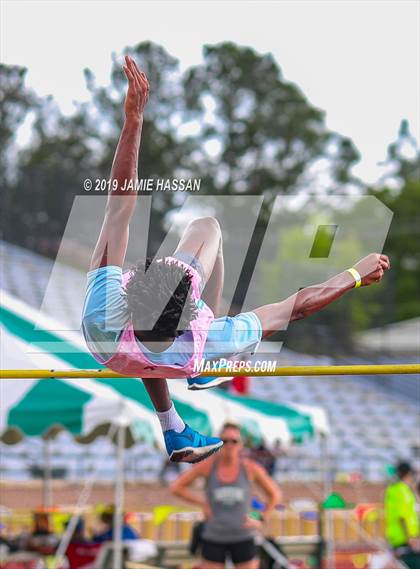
(299, 312)
(305, 307)
(274, 495)
(277, 496)
(297, 315)
(174, 488)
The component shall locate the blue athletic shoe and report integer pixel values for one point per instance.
(196, 383)
(190, 446)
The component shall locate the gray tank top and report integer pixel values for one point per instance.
(229, 503)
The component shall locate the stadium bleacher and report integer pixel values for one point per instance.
(371, 427)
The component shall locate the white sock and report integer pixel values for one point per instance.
(170, 420)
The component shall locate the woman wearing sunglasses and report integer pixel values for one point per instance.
(228, 531)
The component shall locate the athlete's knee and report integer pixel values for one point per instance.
(207, 223)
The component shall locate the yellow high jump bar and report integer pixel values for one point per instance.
(385, 369)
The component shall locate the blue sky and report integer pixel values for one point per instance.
(359, 61)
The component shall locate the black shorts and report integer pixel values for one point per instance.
(239, 552)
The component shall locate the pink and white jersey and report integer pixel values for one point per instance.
(130, 360)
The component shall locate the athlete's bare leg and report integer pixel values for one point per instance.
(212, 293)
(253, 564)
(158, 392)
(211, 565)
(203, 239)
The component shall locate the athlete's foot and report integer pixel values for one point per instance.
(196, 383)
(190, 446)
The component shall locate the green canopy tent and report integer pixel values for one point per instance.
(84, 406)
(88, 408)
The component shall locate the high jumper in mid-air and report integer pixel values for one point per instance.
(180, 295)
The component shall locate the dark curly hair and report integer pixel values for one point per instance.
(152, 287)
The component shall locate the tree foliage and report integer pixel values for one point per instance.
(401, 295)
(15, 101)
(259, 134)
(234, 121)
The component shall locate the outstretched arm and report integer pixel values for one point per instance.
(276, 316)
(113, 239)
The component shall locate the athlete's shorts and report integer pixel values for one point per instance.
(239, 552)
(194, 262)
(105, 315)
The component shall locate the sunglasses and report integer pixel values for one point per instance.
(232, 441)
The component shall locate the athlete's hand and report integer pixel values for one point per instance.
(207, 513)
(138, 89)
(252, 523)
(372, 268)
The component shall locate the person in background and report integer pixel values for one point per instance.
(42, 539)
(401, 518)
(41, 524)
(107, 520)
(81, 552)
(264, 456)
(240, 384)
(6, 545)
(229, 530)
